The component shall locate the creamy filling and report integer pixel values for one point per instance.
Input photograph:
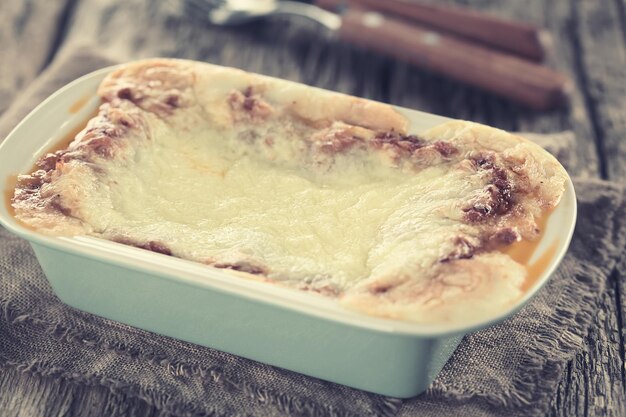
(212, 198)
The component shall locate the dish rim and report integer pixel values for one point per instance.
(206, 277)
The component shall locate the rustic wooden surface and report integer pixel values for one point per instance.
(590, 45)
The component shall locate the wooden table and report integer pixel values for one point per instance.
(590, 45)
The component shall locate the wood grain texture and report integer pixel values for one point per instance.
(598, 31)
(595, 383)
(620, 282)
(27, 395)
(590, 38)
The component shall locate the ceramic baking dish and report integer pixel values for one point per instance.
(189, 301)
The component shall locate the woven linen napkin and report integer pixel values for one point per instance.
(509, 369)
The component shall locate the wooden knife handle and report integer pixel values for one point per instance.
(523, 81)
(519, 38)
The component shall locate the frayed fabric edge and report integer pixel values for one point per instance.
(386, 407)
(569, 324)
(160, 401)
(541, 371)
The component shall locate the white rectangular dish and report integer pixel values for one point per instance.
(279, 326)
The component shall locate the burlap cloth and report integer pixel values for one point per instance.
(512, 368)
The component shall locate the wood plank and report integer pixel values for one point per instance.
(23, 395)
(600, 33)
(29, 36)
(620, 280)
(27, 395)
(603, 55)
(601, 363)
(621, 9)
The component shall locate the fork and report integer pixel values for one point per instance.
(236, 12)
(517, 79)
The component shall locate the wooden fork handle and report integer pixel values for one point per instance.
(519, 80)
(519, 38)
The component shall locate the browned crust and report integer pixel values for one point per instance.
(522, 183)
(158, 86)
